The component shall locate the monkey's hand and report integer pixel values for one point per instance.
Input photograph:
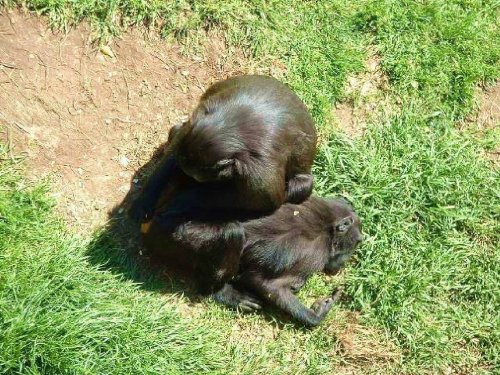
(299, 188)
(141, 210)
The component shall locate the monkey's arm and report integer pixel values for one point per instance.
(221, 197)
(143, 207)
(288, 302)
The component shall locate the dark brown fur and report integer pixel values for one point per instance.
(282, 250)
(278, 253)
(249, 145)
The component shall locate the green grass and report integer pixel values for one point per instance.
(429, 271)
(435, 50)
(60, 315)
(427, 277)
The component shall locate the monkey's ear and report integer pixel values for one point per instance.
(226, 168)
(343, 225)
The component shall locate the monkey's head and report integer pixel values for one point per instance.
(345, 235)
(211, 145)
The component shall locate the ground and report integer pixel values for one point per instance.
(88, 117)
(487, 117)
(406, 104)
(365, 98)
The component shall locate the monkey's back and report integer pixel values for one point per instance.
(259, 90)
(294, 235)
(261, 123)
(281, 111)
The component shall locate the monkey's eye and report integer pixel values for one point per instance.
(343, 225)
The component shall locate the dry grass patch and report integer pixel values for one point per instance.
(486, 121)
(366, 98)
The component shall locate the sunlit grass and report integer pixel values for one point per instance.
(428, 274)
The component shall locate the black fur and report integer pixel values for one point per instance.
(249, 145)
(210, 252)
(282, 250)
(270, 256)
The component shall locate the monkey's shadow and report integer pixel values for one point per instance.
(117, 248)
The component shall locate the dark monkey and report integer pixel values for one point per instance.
(249, 145)
(271, 256)
(206, 248)
(282, 250)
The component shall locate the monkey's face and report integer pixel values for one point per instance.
(346, 236)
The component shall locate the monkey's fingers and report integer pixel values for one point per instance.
(248, 302)
(249, 306)
(337, 293)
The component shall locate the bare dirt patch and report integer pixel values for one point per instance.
(363, 349)
(86, 116)
(488, 115)
(487, 119)
(365, 98)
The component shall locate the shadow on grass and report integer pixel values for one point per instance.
(117, 246)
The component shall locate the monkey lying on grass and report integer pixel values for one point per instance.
(247, 148)
(270, 257)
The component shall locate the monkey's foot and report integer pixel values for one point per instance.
(232, 297)
(249, 303)
(323, 305)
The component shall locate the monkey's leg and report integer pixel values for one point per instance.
(299, 188)
(217, 251)
(232, 297)
(284, 298)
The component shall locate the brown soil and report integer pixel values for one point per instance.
(488, 115)
(88, 117)
(487, 118)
